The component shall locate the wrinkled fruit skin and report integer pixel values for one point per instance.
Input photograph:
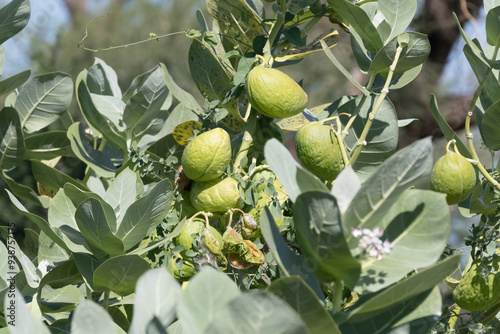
(319, 151)
(274, 94)
(194, 227)
(475, 293)
(216, 196)
(207, 156)
(454, 176)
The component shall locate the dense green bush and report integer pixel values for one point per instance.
(363, 252)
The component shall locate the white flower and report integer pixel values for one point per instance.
(356, 232)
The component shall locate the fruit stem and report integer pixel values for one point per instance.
(246, 141)
(343, 150)
(106, 299)
(276, 27)
(468, 133)
(453, 320)
(362, 139)
(337, 295)
(453, 141)
(359, 106)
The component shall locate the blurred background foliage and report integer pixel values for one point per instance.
(121, 22)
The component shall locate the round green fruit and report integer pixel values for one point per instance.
(319, 151)
(454, 176)
(274, 94)
(188, 269)
(194, 227)
(477, 293)
(207, 155)
(216, 196)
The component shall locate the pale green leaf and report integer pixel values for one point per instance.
(13, 18)
(11, 139)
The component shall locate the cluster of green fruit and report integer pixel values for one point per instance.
(276, 95)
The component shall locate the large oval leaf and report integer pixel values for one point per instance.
(120, 274)
(418, 223)
(13, 18)
(43, 99)
(89, 317)
(321, 238)
(491, 131)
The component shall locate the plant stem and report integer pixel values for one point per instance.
(246, 141)
(337, 295)
(338, 134)
(106, 300)
(276, 27)
(468, 133)
(376, 108)
(358, 108)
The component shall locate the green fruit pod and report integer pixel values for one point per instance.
(477, 293)
(194, 227)
(454, 176)
(274, 94)
(319, 151)
(206, 156)
(216, 196)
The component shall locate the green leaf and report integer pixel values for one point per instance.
(179, 115)
(294, 178)
(288, 261)
(2, 62)
(51, 177)
(382, 139)
(345, 187)
(41, 223)
(156, 295)
(89, 317)
(213, 77)
(321, 238)
(184, 97)
(493, 26)
(111, 108)
(30, 271)
(25, 193)
(166, 147)
(143, 249)
(398, 14)
(414, 308)
(410, 287)
(237, 21)
(359, 23)
(247, 312)
(491, 132)
(448, 132)
(120, 274)
(97, 122)
(13, 18)
(205, 297)
(47, 146)
(102, 79)
(304, 301)
(61, 215)
(92, 221)
(43, 99)
(418, 223)
(123, 191)
(413, 55)
(381, 190)
(50, 251)
(143, 107)
(13, 82)
(145, 214)
(12, 143)
(99, 161)
(87, 265)
(61, 275)
(24, 321)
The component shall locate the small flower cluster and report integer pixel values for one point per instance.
(370, 243)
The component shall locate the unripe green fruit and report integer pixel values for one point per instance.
(216, 196)
(188, 269)
(319, 151)
(207, 156)
(476, 293)
(274, 94)
(194, 227)
(454, 176)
